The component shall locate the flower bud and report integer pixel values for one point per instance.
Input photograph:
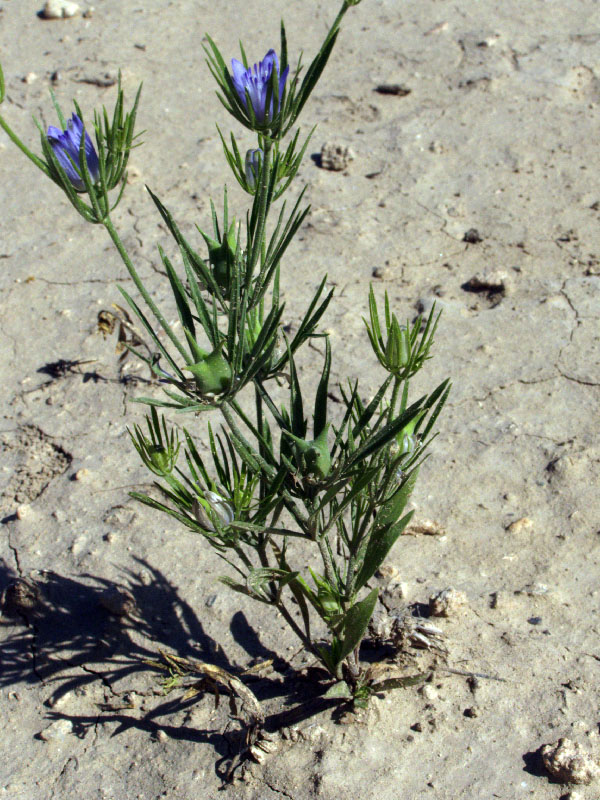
(254, 162)
(212, 503)
(212, 374)
(406, 441)
(66, 145)
(315, 453)
(397, 350)
(221, 255)
(160, 459)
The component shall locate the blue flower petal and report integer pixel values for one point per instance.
(66, 144)
(253, 84)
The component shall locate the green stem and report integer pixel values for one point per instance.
(263, 210)
(327, 562)
(260, 424)
(297, 629)
(15, 139)
(287, 499)
(107, 222)
(394, 399)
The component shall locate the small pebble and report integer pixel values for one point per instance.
(60, 700)
(533, 589)
(60, 9)
(472, 236)
(381, 273)
(314, 732)
(471, 712)
(30, 77)
(520, 525)
(535, 620)
(81, 474)
(493, 281)
(146, 577)
(133, 174)
(117, 601)
(22, 596)
(427, 528)
(447, 602)
(210, 601)
(397, 89)
(292, 734)
(417, 727)
(429, 692)
(568, 762)
(56, 730)
(257, 754)
(388, 572)
(23, 512)
(335, 157)
(160, 736)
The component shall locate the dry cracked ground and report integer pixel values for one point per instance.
(474, 183)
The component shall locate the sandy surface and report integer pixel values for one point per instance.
(498, 133)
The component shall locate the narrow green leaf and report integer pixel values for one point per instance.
(381, 542)
(320, 416)
(356, 622)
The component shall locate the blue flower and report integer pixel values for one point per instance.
(66, 146)
(255, 81)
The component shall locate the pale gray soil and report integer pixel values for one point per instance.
(499, 133)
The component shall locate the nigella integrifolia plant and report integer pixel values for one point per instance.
(294, 471)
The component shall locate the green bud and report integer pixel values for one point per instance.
(212, 504)
(212, 374)
(160, 458)
(405, 439)
(315, 453)
(221, 255)
(397, 350)
(159, 452)
(329, 603)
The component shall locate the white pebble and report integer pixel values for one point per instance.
(56, 730)
(568, 762)
(60, 9)
(447, 602)
(23, 511)
(429, 692)
(335, 157)
(520, 525)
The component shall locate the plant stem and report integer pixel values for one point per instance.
(112, 232)
(297, 629)
(260, 424)
(327, 562)
(15, 139)
(394, 399)
(263, 210)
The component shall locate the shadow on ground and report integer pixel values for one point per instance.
(67, 633)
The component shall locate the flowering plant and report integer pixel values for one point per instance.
(287, 471)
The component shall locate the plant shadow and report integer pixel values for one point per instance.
(68, 633)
